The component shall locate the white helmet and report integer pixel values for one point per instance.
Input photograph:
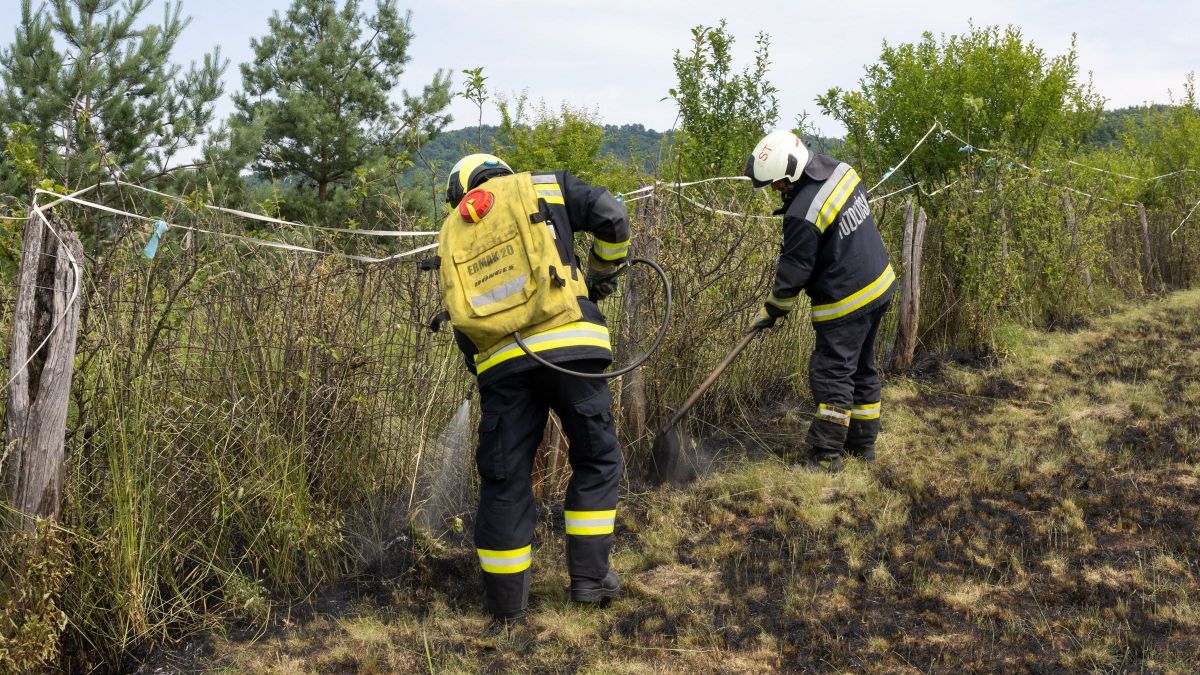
(780, 154)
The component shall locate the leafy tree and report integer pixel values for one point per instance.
(1008, 244)
(475, 91)
(722, 114)
(1169, 139)
(569, 138)
(95, 96)
(989, 85)
(321, 86)
(543, 139)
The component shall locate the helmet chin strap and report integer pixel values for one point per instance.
(786, 196)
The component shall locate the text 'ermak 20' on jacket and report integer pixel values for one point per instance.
(570, 205)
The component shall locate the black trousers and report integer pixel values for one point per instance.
(845, 384)
(514, 414)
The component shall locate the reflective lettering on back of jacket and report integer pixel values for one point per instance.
(854, 216)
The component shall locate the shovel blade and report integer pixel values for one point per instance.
(667, 456)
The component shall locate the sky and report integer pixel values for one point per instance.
(614, 56)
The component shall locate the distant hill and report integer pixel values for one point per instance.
(631, 143)
(626, 143)
(1115, 122)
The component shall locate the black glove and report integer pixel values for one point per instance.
(435, 324)
(762, 321)
(601, 279)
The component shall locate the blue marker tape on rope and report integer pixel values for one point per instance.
(620, 197)
(967, 148)
(160, 228)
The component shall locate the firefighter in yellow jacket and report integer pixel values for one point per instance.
(833, 252)
(508, 265)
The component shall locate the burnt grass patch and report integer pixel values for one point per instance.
(998, 531)
(1080, 564)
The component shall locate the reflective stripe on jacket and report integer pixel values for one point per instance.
(570, 205)
(831, 247)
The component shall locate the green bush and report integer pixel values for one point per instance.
(34, 566)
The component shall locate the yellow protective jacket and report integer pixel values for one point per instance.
(570, 205)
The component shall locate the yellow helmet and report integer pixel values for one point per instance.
(470, 171)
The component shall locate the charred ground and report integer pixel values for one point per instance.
(1034, 514)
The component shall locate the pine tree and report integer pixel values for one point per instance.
(321, 86)
(110, 103)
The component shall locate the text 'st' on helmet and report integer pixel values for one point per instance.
(470, 172)
(780, 154)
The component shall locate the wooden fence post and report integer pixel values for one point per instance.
(910, 290)
(1081, 263)
(41, 358)
(551, 457)
(634, 407)
(1153, 275)
(1003, 239)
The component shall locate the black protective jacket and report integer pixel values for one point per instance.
(831, 247)
(572, 205)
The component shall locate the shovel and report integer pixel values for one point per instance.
(666, 452)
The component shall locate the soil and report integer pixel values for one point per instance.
(1033, 537)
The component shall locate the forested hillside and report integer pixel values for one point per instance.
(635, 145)
(1118, 124)
(631, 144)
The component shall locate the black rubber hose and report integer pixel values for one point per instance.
(662, 332)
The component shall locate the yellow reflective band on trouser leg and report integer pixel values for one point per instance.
(606, 250)
(831, 414)
(574, 334)
(591, 522)
(865, 411)
(505, 562)
(861, 299)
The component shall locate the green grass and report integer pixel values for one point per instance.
(276, 440)
(1034, 515)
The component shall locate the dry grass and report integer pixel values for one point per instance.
(1038, 515)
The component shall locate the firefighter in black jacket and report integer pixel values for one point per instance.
(833, 252)
(516, 394)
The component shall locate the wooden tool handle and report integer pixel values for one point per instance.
(712, 377)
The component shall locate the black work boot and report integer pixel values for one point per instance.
(506, 596)
(503, 623)
(825, 460)
(595, 591)
(866, 454)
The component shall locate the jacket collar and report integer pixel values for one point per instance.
(818, 169)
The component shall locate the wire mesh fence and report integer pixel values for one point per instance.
(248, 420)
